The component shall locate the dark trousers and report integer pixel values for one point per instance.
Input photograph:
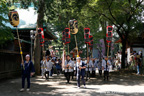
(58, 71)
(51, 73)
(67, 75)
(78, 80)
(72, 74)
(93, 73)
(23, 80)
(106, 75)
(100, 72)
(87, 75)
(47, 74)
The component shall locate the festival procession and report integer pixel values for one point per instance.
(78, 47)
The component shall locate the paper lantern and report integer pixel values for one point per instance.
(14, 18)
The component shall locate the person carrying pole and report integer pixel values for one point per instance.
(27, 72)
(80, 67)
(68, 65)
(89, 67)
(48, 67)
(43, 65)
(105, 67)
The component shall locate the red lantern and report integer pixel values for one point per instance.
(41, 36)
(109, 34)
(67, 35)
(87, 35)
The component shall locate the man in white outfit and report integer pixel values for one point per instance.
(109, 62)
(72, 65)
(96, 63)
(105, 67)
(43, 65)
(69, 65)
(89, 66)
(48, 67)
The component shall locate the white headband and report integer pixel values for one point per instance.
(27, 55)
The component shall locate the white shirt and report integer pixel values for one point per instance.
(74, 65)
(78, 65)
(71, 64)
(95, 64)
(89, 65)
(48, 65)
(109, 62)
(43, 65)
(119, 56)
(99, 66)
(104, 65)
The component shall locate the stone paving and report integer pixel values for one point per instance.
(118, 85)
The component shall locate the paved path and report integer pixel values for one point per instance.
(119, 85)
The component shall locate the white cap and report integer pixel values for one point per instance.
(27, 55)
(78, 58)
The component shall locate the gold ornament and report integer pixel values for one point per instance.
(73, 25)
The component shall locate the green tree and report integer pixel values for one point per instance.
(5, 31)
(123, 14)
(67, 10)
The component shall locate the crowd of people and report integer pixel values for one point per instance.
(79, 68)
(83, 68)
(49, 65)
(136, 61)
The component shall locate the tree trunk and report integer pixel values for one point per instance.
(37, 48)
(123, 53)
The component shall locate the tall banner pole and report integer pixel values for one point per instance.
(108, 51)
(63, 57)
(20, 48)
(73, 25)
(14, 21)
(87, 49)
(109, 38)
(91, 53)
(68, 48)
(107, 56)
(76, 44)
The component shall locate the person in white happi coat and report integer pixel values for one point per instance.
(93, 68)
(95, 63)
(89, 66)
(99, 66)
(69, 65)
(74, 61)
(105, 67)
(72, 69)
(43, 65)
(110, 63)
(48, 67)
(80, 67)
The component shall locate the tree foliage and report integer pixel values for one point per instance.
(123, 14)
(5, 31)
(95, 14)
